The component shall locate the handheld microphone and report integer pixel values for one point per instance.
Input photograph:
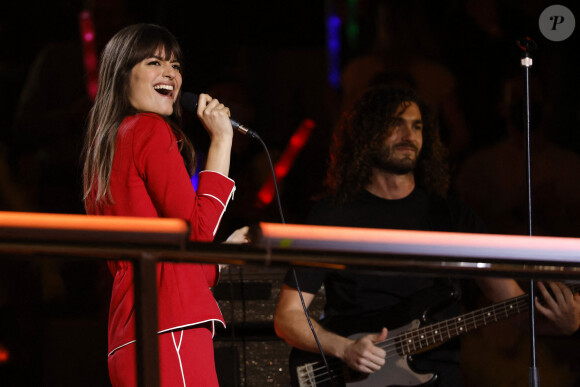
(189, 103)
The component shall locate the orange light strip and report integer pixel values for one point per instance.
(33, 220)
(420, 242)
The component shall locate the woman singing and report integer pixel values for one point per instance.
(138, 163)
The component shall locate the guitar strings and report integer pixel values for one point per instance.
(510, 307)
(486, 316)
(477, 318)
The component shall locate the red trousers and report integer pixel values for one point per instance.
(186, 359)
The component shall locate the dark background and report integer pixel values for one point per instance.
(267, 60)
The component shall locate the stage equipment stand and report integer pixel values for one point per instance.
(527, 45)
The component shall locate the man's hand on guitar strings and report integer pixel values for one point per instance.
(561, 307)
(363, 355)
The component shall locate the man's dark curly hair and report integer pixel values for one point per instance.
(363, 129)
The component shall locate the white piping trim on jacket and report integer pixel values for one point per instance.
(211, 196)
(121, 346)
(212, 320)
(224, 205)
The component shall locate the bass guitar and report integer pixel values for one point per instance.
(308, 369)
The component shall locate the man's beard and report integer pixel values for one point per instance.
(384, 160)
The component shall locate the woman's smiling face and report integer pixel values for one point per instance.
(154, 84)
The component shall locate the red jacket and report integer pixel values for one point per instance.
(149, 179)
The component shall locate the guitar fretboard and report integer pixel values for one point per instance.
(413, 341)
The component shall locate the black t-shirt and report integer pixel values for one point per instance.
(355, 296)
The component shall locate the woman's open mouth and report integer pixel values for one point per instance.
(166, 90)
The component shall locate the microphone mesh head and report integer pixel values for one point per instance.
(189, 101)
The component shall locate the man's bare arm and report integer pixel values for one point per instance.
(291, 325)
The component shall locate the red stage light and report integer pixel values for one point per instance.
(90, 60)
(4, 354)
(286, 160)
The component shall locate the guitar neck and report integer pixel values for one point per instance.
(416, 340)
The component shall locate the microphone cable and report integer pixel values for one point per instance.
(189, 102)
(257, 137)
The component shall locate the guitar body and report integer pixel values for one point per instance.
(306, 367)
(398, 370)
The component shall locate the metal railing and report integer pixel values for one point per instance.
(145, 242)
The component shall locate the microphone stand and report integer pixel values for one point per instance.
(527, 45)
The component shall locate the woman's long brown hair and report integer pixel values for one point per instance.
(128, 47)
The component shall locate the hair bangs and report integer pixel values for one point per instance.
(155, 41)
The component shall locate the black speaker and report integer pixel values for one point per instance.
(248, 353)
